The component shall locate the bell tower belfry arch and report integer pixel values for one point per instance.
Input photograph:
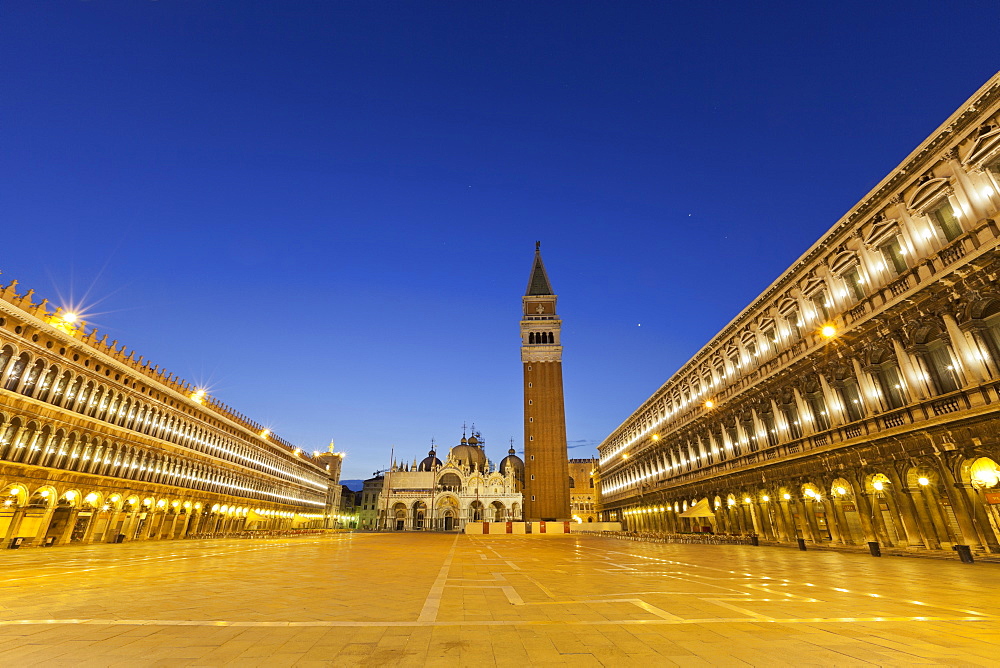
(546, 466)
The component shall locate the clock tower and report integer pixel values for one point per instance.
(546, 466)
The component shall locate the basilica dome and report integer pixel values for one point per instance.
(430, 462)
(514, 462)
(469, 453)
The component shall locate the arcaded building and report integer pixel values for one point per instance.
(856, 399)
(584, 502)
(99, 445)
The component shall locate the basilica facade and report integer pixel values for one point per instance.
(432, 495)
(855, 401)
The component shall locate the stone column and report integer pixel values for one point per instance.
(805, 529)
(931, 502)
(788, 519)
(867, 389)
(911, 519)
(15, 524)
(969, 360)
(754, 521)
(805, 413)
(846, 536)
(906, 534)
(809, 511)
(766, 528)
(879, 521)
(959, 504)
(834, 409)
(88, 535)
(914, 377)
(965, 192)
(128, 528)
(924, 520)
(865, 513)
(43, 526)
(67, 533)
(986, 533)
(778, 520)
(832, 522)
(741, 518)
(903, 501)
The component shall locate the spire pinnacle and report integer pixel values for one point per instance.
(538, 281)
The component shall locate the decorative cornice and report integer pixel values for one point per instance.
(538, 353)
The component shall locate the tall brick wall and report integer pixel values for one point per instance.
(546, 472)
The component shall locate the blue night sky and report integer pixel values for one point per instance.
(326, 211)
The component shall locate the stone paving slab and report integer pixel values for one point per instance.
(426, 599)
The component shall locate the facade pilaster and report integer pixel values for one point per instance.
(959, 504)
(915, 385)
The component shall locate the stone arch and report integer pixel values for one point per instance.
(923, 483)
(32, 376)
(93, 499)
(10, 433)
(43, 497)
(446, 510)
(450, 481)
(71, 498)
(14, 494)
(16, 371)
(62, 382)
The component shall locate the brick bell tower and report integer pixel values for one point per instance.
(546, 467)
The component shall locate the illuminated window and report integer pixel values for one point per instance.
(770, 336)
(850, 396)
(994, 169)
(890, 383)
(817, 404)
(793, 320)
(941, 366)
(16, 369)
(791, 414)
(892, 253)
(734, 438)
(822, 305)
(852, 277)
(770, 427)
(944, 217)
(991, 332)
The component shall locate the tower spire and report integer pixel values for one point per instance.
(538, 280)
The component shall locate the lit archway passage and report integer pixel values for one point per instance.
(853, 402)
(97, 445)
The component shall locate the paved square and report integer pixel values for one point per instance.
(415, 599)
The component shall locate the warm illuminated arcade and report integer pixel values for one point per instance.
(855, 400)
(99, 445)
